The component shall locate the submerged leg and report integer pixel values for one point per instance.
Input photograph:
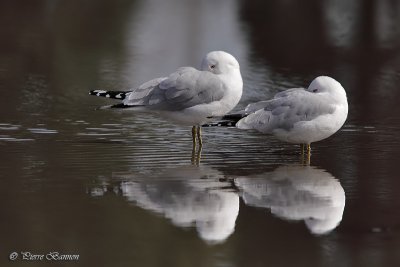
(305, 155)
(198, 156)
(199, 136)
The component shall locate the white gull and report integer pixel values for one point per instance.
(298, 115)
(188, 96)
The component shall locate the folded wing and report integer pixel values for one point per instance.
(285, 110)
(184, 88)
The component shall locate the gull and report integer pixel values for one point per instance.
(298, 115)
(188, 96)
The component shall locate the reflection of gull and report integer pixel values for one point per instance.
(297, 193)
(188, 96)
(187, 196)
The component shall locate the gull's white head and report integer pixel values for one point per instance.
(327, 84)
(219, 62)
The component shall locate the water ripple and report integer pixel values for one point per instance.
(42, 131)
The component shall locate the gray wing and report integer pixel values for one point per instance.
(187, 87)
(140, 96)
(253, 107)
(285, 110)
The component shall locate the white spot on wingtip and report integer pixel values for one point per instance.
(107, 95)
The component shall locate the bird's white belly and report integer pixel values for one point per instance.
(200, 114)
(306, 132)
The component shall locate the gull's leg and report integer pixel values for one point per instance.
(308, 154)
(199, 136)
(302, 149)
(194, 136)
(194, 144)
(198, 156)
(196, 133)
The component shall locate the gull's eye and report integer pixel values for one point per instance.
(315, 90)
(212, 66)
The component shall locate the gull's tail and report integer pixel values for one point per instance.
(229, 120)
(120, 95)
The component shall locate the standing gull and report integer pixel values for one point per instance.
(188, 96)
(298, 115)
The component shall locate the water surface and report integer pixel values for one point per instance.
(121, 188)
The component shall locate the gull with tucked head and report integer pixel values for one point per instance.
(188, 96)
(298, 115)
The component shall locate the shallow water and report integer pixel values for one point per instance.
(121, 189)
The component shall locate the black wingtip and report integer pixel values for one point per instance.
(228, 120)
(220, 124)
(98, 92)
(235, 117)
(119, 95)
